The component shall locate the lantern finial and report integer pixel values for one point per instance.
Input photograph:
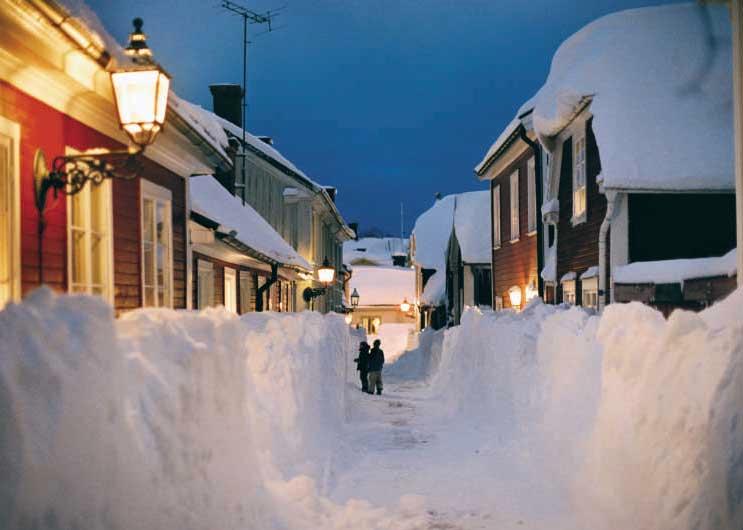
(137, 48)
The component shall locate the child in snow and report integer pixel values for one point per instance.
(376, 362)
(362, 365)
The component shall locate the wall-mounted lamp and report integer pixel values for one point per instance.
(325, 274)
(531, 291)
(405, 306)
(514, 295)
(355, 298)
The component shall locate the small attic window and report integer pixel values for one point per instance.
(360, 249)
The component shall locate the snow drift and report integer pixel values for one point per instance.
(169, 419)
(637, 417)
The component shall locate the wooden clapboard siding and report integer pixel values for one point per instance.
(578, 246)
(514, 263)
(127, 245)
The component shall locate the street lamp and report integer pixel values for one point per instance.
(514, 294)
(141, 96)
(405, 306)
(325, 274)
(355, 298)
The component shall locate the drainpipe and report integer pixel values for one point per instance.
(263, 288)
(611, 199)
(535, 147)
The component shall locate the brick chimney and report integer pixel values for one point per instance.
(226, 101)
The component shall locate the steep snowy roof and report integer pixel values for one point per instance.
(211, 200)
(660, 83)
(383, 285)
(374, 250)
(202, 120)
(472, 226)
(504, 135)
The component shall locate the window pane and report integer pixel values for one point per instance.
(98, 211)
(77, 210)
(147, 220)
(98, 258)
(149, 296)
(78, 257)
(148, 261)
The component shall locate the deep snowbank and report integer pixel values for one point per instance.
(639, 418)
(170, 419)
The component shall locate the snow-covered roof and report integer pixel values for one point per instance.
(383, 285)
(504, 135)
(432, 230)
(472, 226)
(676, 270)
(659, 81)
(211, 200)
(435, 290)
(201, 120)
(591, 272)
(568, 277)
(374, 250)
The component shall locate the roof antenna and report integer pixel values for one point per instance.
(251, 17)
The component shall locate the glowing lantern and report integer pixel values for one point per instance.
(355, 298)
(405, 306)
(326, 273)
(514, 294)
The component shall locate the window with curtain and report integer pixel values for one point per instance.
(496, 217)
(531, 179)
(89, 244)
(157, 246)
(579, 180)
(514, 193)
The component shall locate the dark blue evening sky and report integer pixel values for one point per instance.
(389, 100)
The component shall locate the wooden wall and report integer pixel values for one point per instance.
(514, 263)
(578, 246)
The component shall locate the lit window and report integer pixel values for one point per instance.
(579, 180)
(157, 246)
(568, 292)
(496, 217)
(230, 289)
(246, 292)
(590, 292)
(205, 283)
(514, 206)
(89, 245)
(531, 179)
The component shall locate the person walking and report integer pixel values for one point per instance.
(362, 365)
(376, 362)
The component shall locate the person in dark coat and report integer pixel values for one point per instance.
(362, 365)
(376, 362)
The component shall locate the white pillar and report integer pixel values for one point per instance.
(736, 8)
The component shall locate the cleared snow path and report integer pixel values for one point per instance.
(466, 475)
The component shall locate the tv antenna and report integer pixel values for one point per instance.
(249, 17)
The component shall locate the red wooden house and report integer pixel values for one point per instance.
(125, 240)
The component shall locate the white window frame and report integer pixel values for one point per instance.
(12, 131)
(84, 195)
(230, 296)
(153, 192)
(589, 289)
(531, 181)
(568, 292)
(514, 201)
(580, 189)
(204, 268)
(496, 218)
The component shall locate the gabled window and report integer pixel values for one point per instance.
(89, 241)
(496, 217)
(579, 179)
(531, 179)
(514, 206)
(157, 246)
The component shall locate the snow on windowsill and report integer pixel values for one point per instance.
(676, 270)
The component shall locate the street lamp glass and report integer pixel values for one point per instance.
(141, 100)
(326, 273)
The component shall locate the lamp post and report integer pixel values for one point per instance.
(141, 95)
(326, 275)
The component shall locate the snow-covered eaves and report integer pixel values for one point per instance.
(432, 231)
(383, 285)
(659, 84)
(676, 270)
(241, 223)
(505, 139)
(434, 292)
(472, 226)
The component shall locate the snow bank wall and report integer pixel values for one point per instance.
(640, 418)
(163, 419)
